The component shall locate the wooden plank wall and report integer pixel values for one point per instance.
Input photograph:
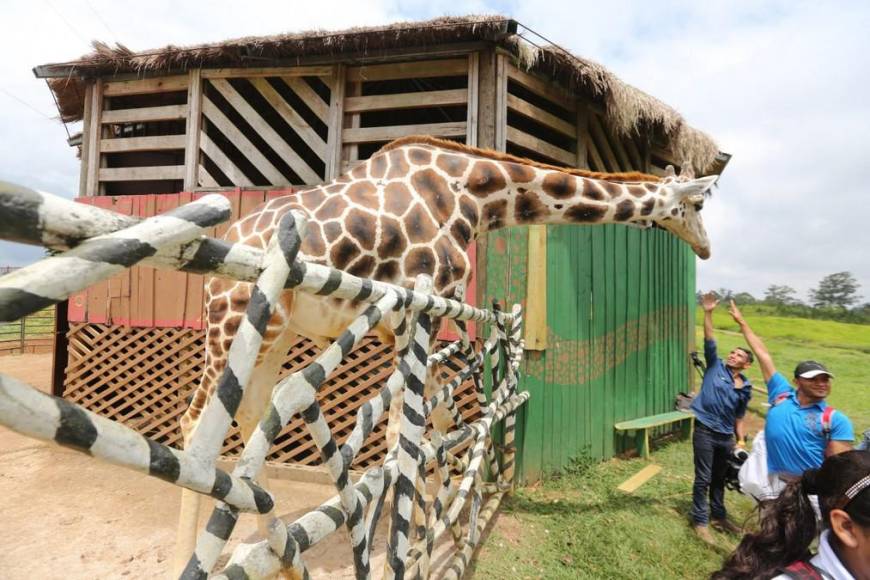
(149, 297)
(617, 305)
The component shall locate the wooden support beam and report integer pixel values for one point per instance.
(336, 117)
(535, 327)
(144, 114)
(501, 66)
(532, 143)
(486, 100)
(471, 98)
(141, 173)
(291, 71)
(93, 137)
(146, 86)
(405, 101)
(84, 169)
(128, 144)
(582, 138)
(374, 134)
(408, 70)
(193, 129)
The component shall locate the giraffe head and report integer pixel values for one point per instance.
(680, 212)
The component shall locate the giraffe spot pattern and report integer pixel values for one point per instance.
(559, 185)
(583, 213)
(332, 230)
(636, 190)
(378, 166)
(592, 191)
(433, 189)
(362, 226)
(343, 253)
(363, 267)
(313, 244)
(528, 208)
(398, 164)
(461, 231)
(494, 214)
(397, 198)
(612, 189)
(647, 207)
(387, 271)
(624, 210)
(332, 208)
(419, 261)
(468, 209)
(360, 171)
(365, 194)
(392, 241)
(419, 156)
(485, 179)
(419, 225)
(519, 173)
(452, 165)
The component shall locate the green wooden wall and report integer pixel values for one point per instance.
(619, 331)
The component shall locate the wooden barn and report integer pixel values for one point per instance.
(609, 309)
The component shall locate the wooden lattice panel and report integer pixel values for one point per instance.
(143, 377)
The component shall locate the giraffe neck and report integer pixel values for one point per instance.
(510, 194)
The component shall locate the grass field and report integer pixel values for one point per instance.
(580, 526)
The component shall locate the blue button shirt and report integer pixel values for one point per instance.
(794, 435)
(719, 404)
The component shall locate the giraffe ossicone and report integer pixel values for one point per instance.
(413, 208)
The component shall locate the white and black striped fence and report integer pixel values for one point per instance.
(93, 244)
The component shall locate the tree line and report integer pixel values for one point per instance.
(835, 298)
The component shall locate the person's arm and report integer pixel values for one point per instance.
(764, 359)
(837, 447)
(708, 302)
(740, 432)
(842, 435)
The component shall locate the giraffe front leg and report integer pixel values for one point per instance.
(188, 518)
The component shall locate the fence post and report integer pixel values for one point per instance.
(23, 328)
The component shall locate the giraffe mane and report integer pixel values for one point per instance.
(622, 177)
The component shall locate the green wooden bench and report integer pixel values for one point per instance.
(642, 426)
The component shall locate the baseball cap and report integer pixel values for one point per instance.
(810, 368)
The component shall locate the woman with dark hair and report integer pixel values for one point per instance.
(780, 549)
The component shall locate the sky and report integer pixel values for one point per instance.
(780, 85)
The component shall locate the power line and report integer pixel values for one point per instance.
(25, 103)
(67, 22)
(100, 18)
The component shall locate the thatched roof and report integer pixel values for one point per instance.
(628, 110)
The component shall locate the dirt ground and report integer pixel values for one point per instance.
(66, 515)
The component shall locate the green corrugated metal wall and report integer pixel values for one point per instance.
(619, 318)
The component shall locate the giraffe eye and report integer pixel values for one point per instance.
(699, 206)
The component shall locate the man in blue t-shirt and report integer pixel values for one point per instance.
(796, 435)
(719, 409)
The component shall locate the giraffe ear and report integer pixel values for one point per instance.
(669, 171)
(687, 172)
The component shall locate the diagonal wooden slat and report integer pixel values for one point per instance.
(242, 143)
(236, 176)
(311, 99)
(264, 130)
(291, 117)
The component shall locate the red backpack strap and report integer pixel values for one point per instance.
(802, 570)
(827, 416)
(780, 398)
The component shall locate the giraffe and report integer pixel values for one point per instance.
(413, 208)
